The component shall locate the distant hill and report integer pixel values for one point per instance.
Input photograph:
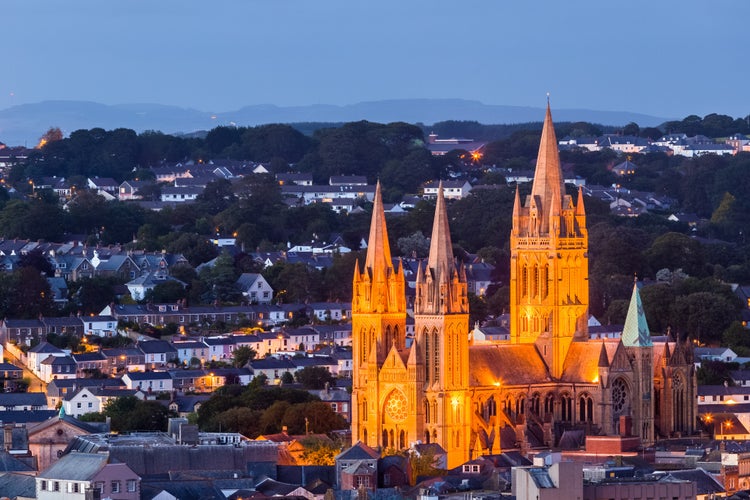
(24, 124)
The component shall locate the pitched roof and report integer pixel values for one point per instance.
(515, 364)
(359, 451)
(75, 466)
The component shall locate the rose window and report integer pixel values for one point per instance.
(396, 406)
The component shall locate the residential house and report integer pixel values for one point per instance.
(357, 468)
(188, 350)
(347, 180)
(340, 401)
(191, 380)
(303, 339)
(219, 348)
(10, 375)
(63, 325)
(330, 311)
(272, 368)
(57, 389)
(452, 190)
(294, 178)
(39, 353)
(22, 401)
(55, 367)
(255, 287)
(157, 353)
(124, 359)
(145, 283)
(76, 475)
(103, 184)
(91, 363)
(180, 194)
(100, 326)
(129, 190)
(92, 399)
(21, 331)
(148, 381)
(440, 147)
(625, 169)
(714, 354)
(113, 265)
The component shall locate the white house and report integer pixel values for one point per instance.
(148, 381)
(101, 326)
(452, 190)
(255, 287)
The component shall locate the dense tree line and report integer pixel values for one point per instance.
(259, 409)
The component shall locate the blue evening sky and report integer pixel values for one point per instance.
(665, 58)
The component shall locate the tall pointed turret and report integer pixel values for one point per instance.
(548, 179)
(441, 247)
(378, 249)
(635, 333)
(442, 288)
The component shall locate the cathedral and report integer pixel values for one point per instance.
(548, 384)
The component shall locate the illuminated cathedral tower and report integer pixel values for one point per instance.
(441, 325)
(549, 288)
(378, 329)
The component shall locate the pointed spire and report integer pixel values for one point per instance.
(378, 249)
(603, 358)
(548, 179)
(441, 247)
(635, 333)
(517, 204)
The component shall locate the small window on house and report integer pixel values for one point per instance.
(115, 486)
(131, 485)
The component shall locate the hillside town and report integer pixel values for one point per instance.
(262, 396)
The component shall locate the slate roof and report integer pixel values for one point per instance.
(156, 347)
(23, 399)
(705, 483)
(17, 485)
(359, 451)
(45, 348)
(517, 364)
(149, 376)
(75, 466)
(25, 417)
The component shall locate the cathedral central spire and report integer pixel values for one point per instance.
(548, 179)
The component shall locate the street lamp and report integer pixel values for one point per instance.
(728, 424)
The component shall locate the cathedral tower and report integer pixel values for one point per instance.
(378, 329)
(549, 289)
(441, 325)
(636, 338)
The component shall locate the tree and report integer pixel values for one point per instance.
(314, 377)
(242, 355)
(319, 451)
(128, 413)
(169, 291)
(417, 245)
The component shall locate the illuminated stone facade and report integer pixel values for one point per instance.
(523, 393)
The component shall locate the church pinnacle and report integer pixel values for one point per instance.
(548, 179)
(635, 333)
(441, 247)
(378, 249)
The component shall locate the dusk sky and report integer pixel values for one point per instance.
(665, 58)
